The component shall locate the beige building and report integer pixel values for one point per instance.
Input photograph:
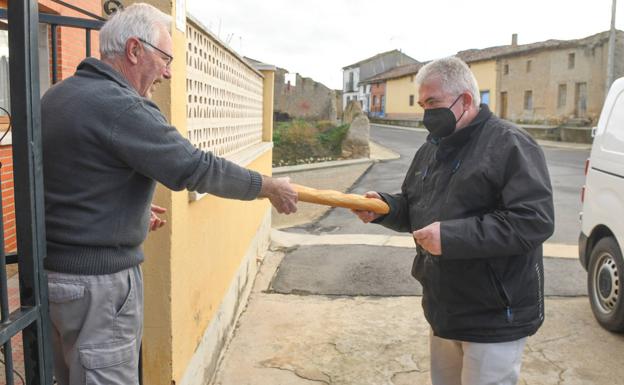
(554, 81)
(485, 73)
(399, 95)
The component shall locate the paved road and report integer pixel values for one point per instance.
(565, 166)
(359, 270)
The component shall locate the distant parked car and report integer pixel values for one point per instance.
(602, 218)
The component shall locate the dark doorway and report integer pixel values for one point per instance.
(503, 105)
(580, 100)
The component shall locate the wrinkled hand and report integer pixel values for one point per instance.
(281, 194)
(155, 222)
(429, 238)
(368, 216)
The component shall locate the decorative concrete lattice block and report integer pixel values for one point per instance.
(224, 96)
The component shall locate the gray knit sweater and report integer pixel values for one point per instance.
(104, 146)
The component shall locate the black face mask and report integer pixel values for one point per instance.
(441, 122)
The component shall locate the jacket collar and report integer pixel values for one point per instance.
(449, 144)
(95, 66)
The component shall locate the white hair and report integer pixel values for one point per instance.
(137, 20)
(454, 75)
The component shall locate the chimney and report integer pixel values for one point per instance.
(514, 40)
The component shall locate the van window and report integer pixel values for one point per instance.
(614, 132)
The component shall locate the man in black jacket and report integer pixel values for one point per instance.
(478, 201)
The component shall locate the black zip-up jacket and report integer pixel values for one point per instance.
(488, 185)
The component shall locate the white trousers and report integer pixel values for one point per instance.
(470, 363)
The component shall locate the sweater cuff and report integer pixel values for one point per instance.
(255, 186)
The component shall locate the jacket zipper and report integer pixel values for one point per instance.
(503, 296)
(456, 164)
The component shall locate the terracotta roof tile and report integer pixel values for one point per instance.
(397, 72)
(375, 57)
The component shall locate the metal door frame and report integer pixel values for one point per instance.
(32, 318)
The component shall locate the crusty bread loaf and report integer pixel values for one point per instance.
(338, 199)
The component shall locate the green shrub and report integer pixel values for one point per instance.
(332, 138)
(302, 141)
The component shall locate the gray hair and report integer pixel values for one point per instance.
(138, 20)
(454, 75)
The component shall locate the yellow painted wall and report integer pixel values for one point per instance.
(210, 238)
(397, 98)
(267, 110)
(485, 72)
(157, 335)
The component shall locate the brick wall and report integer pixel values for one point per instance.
(72, 41)
(71, 51)
(378, 90)
(8, 204)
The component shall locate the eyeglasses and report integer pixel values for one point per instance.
(169, 57)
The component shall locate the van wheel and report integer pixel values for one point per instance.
(605, 286)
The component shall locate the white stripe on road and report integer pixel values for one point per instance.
(285, 239)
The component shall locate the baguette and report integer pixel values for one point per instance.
(337, 199)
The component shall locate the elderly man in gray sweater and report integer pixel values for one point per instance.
(105, 147)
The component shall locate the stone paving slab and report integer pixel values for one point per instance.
(347, 270)
(385, 271)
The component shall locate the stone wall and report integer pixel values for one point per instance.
(356, 143)
(548, 70)
(339, 104)
(306, 99)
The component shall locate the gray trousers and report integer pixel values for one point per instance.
(470, 363)
(97, 325)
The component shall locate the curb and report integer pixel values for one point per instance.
(543, 143)
(400, 127)
(285, 239)
(320, 165)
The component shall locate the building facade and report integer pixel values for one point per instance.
(378, 99)
(558, 82)
(355, 76)
(350, 85)
(485, 73)
(554, 81)
(400, 94)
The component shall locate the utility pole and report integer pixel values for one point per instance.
(611, 57)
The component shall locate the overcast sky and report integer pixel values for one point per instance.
(317, 38)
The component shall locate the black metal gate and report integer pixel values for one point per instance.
(32, 318)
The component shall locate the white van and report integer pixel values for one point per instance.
(602, 219)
